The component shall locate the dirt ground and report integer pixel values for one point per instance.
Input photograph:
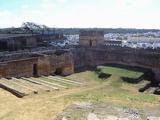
(110, 96)
(40, 107)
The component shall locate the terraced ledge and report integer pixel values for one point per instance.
(12, 90)
(31, 85)
(65, 80)
(46, 82)
(19, 84)
(40, 83)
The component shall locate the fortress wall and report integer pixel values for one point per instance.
(63, 62)
(91, 38)
(31, 42)
(157, 74)
(18, 68)
(98, 56)
(43, 66)
(38, 66)
(79, 57)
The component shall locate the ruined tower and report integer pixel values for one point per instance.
(91, 38)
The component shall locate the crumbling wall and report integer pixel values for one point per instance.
(18, 68)
(31, 42)
(42, 64)
(134, 57)
(91, 38)
(63, 62)
(49, 64)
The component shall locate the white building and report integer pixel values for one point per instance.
(142, 42)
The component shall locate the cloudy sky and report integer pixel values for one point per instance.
(82, 13)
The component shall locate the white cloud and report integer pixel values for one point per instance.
(115, 13)
(9, 19)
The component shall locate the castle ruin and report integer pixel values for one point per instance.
(90, 52)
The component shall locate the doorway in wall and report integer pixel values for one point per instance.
(58, 71)
(3, 45)
(90, 43)
(35, 71)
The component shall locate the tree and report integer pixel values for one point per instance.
(32, 28)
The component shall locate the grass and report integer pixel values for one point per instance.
(112, 90)
(120, 71)
(115, 89)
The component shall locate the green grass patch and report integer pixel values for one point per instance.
(114, 88)
(110, 94)
(87, 76)
(120, 71)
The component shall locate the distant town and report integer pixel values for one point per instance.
(134, 38)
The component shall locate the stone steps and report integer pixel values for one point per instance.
(26, 86)
(40, 83)
(15, 89)
(14, 85)
(32, 85)
(64, 80)
(49, 83)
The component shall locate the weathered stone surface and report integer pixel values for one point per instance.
(102, 55)
(44, 64)
(106, 111)
(64, 63)
(92, 116)
(91, 38)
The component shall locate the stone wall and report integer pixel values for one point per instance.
(16, 43)
(49, 64)
(44, 64)
(17, 68)
(65, 62)
(91, 38)
(134, 57)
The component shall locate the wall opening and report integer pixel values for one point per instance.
(58, 71)
(90, 43)
(3, 45)
(35, 71)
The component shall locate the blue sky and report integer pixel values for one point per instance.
(82, 13)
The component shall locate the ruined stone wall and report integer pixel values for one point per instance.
(17, 43)
(64, 62)
(31, 42)
(17, 68)
(91, 38)
(48, 64)
(44, 64)
(134, 57)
